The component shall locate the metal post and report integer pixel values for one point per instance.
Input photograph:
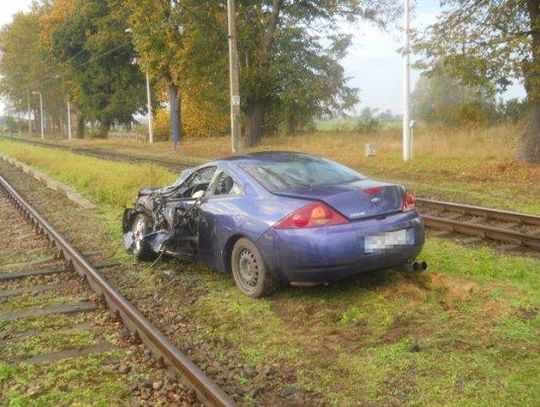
(149, 104)
(175, 123)
(69, 118)
(28, 113)
(407, 153)
(40, 112)
(234, 78)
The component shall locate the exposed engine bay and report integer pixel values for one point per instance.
(172, 215)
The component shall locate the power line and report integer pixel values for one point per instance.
(202, 19)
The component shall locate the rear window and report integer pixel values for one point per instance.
(300, 171)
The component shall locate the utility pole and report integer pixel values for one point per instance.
(28, 113)
(149, 104)
(234, 77)
(407, 147)
(69, 118)
(40, 112)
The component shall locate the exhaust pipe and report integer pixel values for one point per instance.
(419, 266)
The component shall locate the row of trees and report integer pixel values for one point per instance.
(446, 100)
(289, 58)
(85, 50)
(489, 43)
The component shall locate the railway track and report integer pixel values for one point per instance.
(55, 282)
(517, 231)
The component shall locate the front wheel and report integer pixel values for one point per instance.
(141, 249)
(249, 271)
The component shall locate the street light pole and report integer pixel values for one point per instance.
(149, 104)
(69, 118)
(407, 147)
(28, 113)
(234, 78)
(148, 101)
(40, 112)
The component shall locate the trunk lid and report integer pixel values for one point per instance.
(357, 200)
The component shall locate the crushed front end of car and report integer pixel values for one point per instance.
(172, 227)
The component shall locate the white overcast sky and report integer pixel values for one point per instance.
(373, 63)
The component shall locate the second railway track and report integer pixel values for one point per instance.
(516, 230)
(70, 285)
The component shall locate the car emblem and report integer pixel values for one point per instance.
(376, 201)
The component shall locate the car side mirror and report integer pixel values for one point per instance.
(198, 195)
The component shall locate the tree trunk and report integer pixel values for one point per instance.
(104, 128)
(529, 148)
(256, 110)
(254, 123)
(80, 126)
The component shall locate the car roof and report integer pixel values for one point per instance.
(263, 156)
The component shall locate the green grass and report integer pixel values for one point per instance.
(104, 182)
(43, 323)
(14, 304)
(6, 371)
(47, 343)
(79, 381)
(474, 314)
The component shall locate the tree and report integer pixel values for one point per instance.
(513, 110)
(25, 66)
(368, 121)
(290, 52)
(93, 45)
(483, 41)
(158, 38)
(289, 56)
(444, 99)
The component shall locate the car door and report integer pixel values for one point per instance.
(219, 215)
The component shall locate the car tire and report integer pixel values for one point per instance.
(140, 228)
(249, 271)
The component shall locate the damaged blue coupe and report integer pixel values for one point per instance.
(277, 217)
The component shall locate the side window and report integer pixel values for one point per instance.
(225, 185)
(199, 181)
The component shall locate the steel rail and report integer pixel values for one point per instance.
(488, 213)
(162, 348)
(483, 231)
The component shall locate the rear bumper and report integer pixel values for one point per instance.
(336, 252)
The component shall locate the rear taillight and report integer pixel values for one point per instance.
(313, 215)
(409, 201)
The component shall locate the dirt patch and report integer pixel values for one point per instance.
(452, 289)
(494, 309)
(527, 314)
(407, 328)
(411, 287)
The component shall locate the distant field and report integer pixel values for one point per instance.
(475, 166)
(349, 124)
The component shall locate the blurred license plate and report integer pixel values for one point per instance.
(385, 241)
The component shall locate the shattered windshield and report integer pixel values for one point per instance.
(183, 176)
